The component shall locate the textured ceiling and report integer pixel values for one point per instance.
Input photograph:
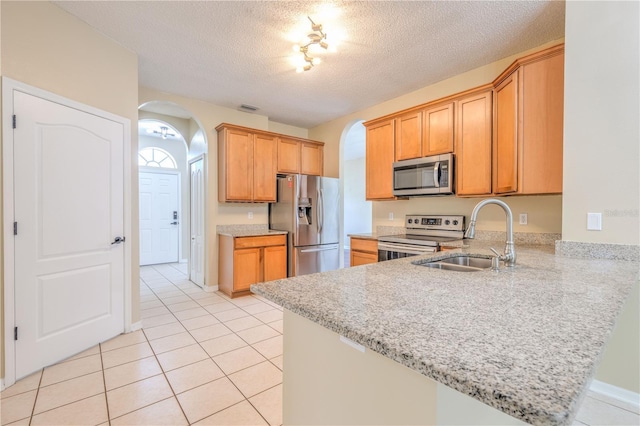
(238, 52)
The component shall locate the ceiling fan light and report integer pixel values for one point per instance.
(324, 45)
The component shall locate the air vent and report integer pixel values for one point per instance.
(248, 108)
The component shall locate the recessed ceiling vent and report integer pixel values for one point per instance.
(247, 108)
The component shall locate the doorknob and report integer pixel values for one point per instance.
(118, 240)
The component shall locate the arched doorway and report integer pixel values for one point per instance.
(357, 216)
(184, 139)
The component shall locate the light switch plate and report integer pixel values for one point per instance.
(594, 221)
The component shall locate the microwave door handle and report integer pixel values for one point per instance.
(436, 174)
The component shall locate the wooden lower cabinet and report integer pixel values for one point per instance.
(363, 251)
(249, 260)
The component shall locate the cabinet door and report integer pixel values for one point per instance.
(264, 167)
(246, 268)
(473, 145)
(275, 263)
(288, 156)
(360, 258)
(505, 138)
(542, 120)
(239, 165)
(437, 135)
(379, 161)
(311, 162)
(409, 136)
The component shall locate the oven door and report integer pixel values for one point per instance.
(390, 251)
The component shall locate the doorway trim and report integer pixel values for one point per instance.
(8, 87)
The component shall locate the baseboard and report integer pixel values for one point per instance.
(615, 392)
(184, 261)
(135, 327)
(210, 288)
(1, 385)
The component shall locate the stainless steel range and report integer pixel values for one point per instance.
(424, 234)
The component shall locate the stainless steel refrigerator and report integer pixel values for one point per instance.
(308, 208)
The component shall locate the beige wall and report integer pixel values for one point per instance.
(45, 47)
(545, 213)
(210, 116)
(601, 133)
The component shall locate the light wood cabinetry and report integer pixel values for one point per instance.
(288, 156)
(246, 165)
(438, 129)
(249, 159)
(311, 158)
(473, 144)
(408, 138)
(248, 260)
(299, 156)
(363, 251)
(380, 155)
(528, 125)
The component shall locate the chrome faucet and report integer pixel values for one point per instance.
(509, 256)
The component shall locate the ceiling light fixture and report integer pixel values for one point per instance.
(164, 132)
(317, 37)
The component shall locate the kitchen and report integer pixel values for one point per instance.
(564, 213)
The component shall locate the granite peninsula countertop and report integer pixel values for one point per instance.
(525, 341)
(366, 236)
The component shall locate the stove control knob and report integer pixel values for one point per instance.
(455, 222)
(446, 222)
(410, 221)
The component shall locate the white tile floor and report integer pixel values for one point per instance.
(201, 358)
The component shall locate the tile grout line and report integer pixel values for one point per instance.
(104, 383)
(35, 400)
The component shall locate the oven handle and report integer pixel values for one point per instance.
(404, 248)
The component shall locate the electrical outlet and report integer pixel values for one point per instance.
(594, 221)
(523, 218)
(250, 215)
(391, 216)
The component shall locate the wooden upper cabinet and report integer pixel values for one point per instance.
(311, 159)
(505, 135)
(542, 118)
(295, 156)
(264, 167)
(288, 156)
(379, 160)
(438, 129)
(473, 144)
(235, 162)
(408, 141)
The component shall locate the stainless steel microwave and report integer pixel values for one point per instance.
(424, 176)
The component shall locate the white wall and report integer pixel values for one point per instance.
(357, 210)
(601, 132)
(602, 150)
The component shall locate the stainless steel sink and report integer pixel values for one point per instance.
(460, 263)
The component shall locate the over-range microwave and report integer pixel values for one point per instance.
(424, 176)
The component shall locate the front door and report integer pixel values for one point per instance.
(196, 269)
(68, 206)
(158, 217)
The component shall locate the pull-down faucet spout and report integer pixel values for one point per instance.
(509, 256)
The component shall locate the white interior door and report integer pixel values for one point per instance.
(158, 217)
(68, 205)
(196, 269)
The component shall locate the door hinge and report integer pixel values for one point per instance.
(14, 121)
(15, 228)
(15, 333)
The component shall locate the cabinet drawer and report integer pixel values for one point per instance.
(360, 244)
(270, 240)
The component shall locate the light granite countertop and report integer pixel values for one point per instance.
(247, 230)
(365, 236)
(525, 341)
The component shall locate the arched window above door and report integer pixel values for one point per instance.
(156, 157)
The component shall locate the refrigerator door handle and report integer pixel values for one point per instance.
(320, 210)
(314, 250)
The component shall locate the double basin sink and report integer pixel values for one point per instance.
(459, 263)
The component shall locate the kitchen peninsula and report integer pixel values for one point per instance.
(525, 341)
